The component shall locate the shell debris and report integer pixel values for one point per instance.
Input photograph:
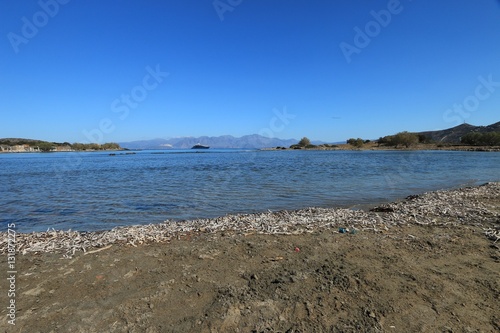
(478, 206)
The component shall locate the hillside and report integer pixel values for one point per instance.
(18, 141)
(453, 135)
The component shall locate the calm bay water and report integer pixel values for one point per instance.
(96, 191)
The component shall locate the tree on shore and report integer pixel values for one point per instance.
(383, 140)
(304, 142)
(406, 139)
(110, 146)
(95, 146)
(358, 143)
(45, 146)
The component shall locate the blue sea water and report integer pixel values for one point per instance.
(96, 191)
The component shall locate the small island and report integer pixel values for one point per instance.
(200, 146)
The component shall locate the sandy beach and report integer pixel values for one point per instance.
(429, 263)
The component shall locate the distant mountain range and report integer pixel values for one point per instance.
(226, 141)
(450, 135)
(453, 135)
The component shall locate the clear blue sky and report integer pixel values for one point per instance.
(67, 67)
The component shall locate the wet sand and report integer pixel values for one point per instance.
(430, 263)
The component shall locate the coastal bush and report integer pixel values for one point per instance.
(481, 139)
(110, 146)
(46, 146)
(356, 142)
(406, 139)
(424, 139)
(304, 142)
(383, 140)
(327, 145)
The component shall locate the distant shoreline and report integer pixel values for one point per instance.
(375, 147)
(63, 151)
(343, 147)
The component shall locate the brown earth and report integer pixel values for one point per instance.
(407, 279)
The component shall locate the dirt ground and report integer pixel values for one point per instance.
(407, 279)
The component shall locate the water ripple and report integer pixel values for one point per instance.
(94, 191)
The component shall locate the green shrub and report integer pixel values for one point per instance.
(356, 142)
(481, 139)
(304, 142)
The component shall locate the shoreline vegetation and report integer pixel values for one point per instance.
(374, 146)
(463, 137)
(428, 263)
(38, 146)
(472, 141)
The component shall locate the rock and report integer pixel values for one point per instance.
(206, 256)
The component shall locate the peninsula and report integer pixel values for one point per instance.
(16, 145)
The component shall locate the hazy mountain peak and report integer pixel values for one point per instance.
(253, 141)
